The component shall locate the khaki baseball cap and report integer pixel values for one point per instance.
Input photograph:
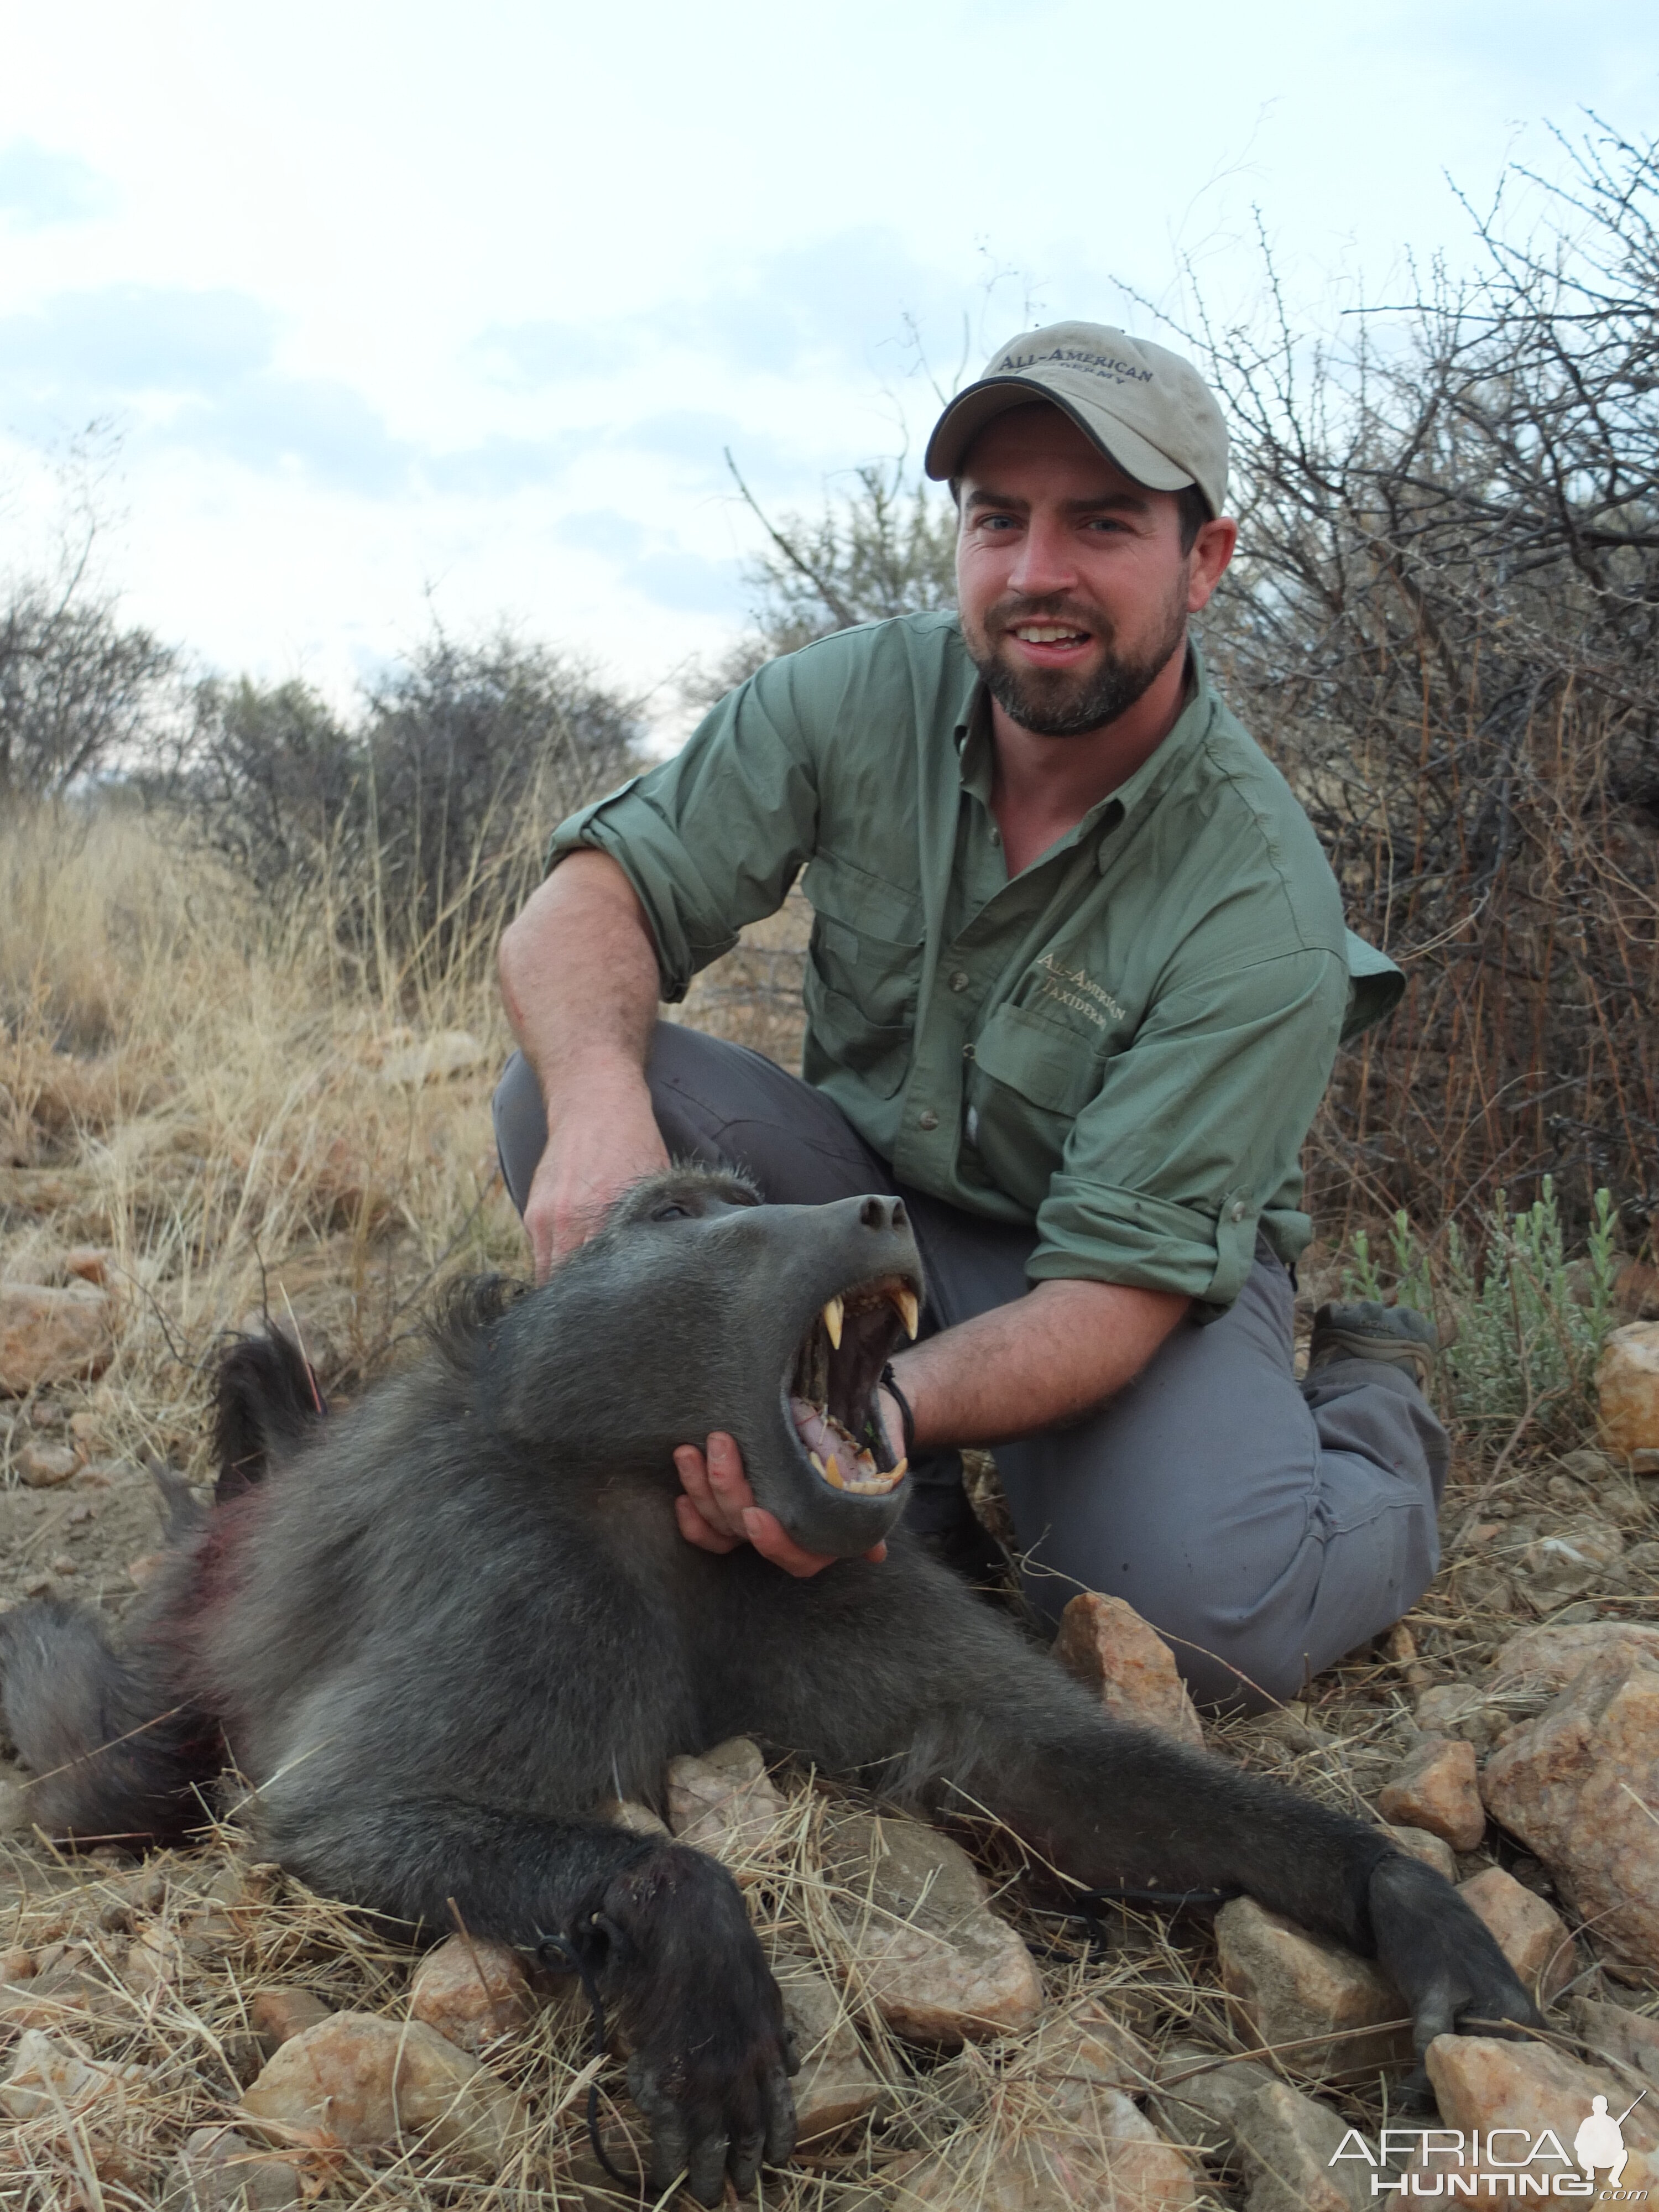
(1146, 408)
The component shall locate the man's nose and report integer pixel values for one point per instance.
(1045, 563)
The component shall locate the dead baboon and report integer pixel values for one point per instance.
(436, 1632)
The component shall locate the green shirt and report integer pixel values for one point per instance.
(1125, 1044)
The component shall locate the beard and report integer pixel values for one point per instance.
(1058, 703)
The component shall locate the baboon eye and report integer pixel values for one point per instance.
(672, 1212)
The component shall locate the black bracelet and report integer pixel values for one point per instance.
(890, 1382)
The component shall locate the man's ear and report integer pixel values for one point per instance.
(1213, 549)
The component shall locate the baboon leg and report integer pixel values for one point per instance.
(119, 1754)
(953, 1709)
(662, 1927)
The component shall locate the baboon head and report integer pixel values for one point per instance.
(697, 1308)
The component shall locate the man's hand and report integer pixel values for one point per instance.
(594, 1152)
(717, 1511)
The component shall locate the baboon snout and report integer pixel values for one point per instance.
(884, 1213)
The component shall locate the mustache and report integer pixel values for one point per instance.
(1055, 608)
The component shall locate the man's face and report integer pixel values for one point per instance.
(1073, 588)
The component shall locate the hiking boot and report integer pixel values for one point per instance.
(1398, 1336)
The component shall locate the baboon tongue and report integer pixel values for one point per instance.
(820, 1432)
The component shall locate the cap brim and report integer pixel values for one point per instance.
(982, 402)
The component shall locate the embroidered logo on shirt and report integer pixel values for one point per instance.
(1075, 987)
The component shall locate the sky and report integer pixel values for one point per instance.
(391, 314)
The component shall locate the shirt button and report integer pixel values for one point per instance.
(1239, 1210)
(967, 1052)
(959, 980)
(927, 1119)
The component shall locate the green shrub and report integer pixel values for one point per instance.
(1528, 1323)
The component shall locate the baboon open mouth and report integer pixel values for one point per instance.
(832, 1385)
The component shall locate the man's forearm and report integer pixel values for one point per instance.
(578, 974)
(1051, 1356)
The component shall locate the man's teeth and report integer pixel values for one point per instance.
(1046, 633)
(833, 1310)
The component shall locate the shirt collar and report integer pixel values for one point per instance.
(973, 741)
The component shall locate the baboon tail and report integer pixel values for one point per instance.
(267, 1402)
(118, 1753)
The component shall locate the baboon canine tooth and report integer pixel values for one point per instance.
(909, 1312)
(832, 1474)
(898, 1473)
(833, 1310)
(816, 1461)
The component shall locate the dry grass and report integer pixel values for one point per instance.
(192, 1086)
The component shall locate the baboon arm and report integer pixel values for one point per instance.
(661, 1928)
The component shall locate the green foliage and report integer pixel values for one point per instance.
(1529, 1324)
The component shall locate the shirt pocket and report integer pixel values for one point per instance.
(863, 974)
(1029, 1080)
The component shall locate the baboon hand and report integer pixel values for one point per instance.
(712, 2059)
(1442, 1959)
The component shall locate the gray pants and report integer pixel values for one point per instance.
(1264, 1527)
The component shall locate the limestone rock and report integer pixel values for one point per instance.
(1459, 1709)
(44, 1466)
(835, 2085)
(1571, 1559)
(221, 2171)
(1610, 2032)
(1433, 1851)
(1627, 1388)
(52, 2073)
(724, 1802)
(1286, 2146)
(1528, 1929)
(1546, 1659)
(472, 1992)
(1481, 2082)
(277, 2014)
(625, 1812)
(1088, 2150)
(50, 1335)
(1107, 1646)
(359, 2080)
(1289, 1987)
(1437, 1789)
(1204, 2096)
(928, 1952)
(1576, 1786)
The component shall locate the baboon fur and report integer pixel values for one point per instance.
(436, 1633)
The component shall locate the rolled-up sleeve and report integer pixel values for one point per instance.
(713, 838)
(1195, 1129)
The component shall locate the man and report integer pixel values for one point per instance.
(1077, 980)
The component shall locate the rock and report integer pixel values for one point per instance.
(1627, 1388)
(1610, 2032)
(51, 2074)
(1546, 1659)
(1106, 1645)
(277, 2014)
(221, 2171)
(1304, 1997)
(1437, 1789)
(52, 1335)
(1479, 2082)
(1570, 1560)
(472, 1993)
(1459, 1709)
(43, 1466)
(835, 2085)
(358, 2080)
(63, 1997)
(1529, 1932)
(155, 1960)
(1433, 1851)
(1200, 2106)
(434, 1059)
(1576, 1786)
(638, 1820)
(89, 1263)
(1070, 2147)
(1285, 2145)
(928, 1952)
(724, 1803)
